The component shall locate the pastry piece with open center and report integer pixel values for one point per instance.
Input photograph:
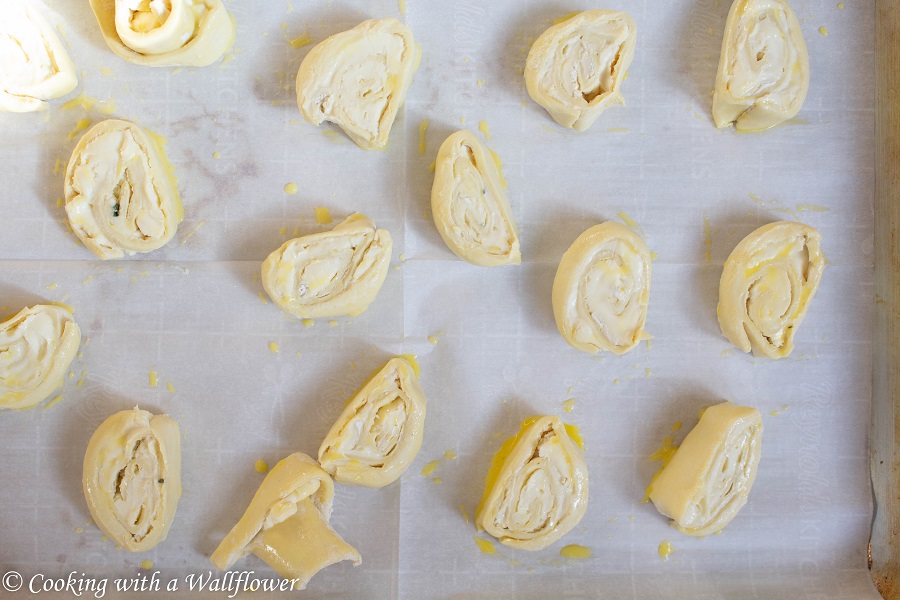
(358, 79)
(121, 193)
(132, 477)
(763, 69)
(708, 480)
(537, 488)
(380, 431)
(602, 289)
(470, 207)
(329, 274)
(286, 524)
(34, 65)
(575, 68)
(36, 347)
(166, 33)
(768, 282)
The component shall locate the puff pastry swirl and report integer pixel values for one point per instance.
(34, 65)
(121, 193)
(768, 282)
(379, 433)
(36, 347)
(286, 524)
(575, 68)
(132, 477)
(357, 79)
(763, 71)
(602, 289)
(708, 480)
(537, 488)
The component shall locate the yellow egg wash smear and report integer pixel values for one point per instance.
(574, 551)
(484, 545)
(663, 454)
(665, 550)
(423, 126)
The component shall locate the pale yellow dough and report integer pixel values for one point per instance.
(166, 33)
(36, 347)
(286, 524)
(537, 488)
(34, 65)
(708, 480)
(767, 285)
(379, 433)
(470, 207)
(576, 67)
(121, 193)
(602, 289)
(357, 79)
(329, 274)
(763, 72)
(132, 477)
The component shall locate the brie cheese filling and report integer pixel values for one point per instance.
(36, 347)
(358, 80)
(602, 289)
(379, 433)
(470, 207)
(34, 65)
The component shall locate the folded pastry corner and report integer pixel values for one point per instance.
(379, 433)
(132, 477)
(357, 79)
(329, 274)
(470, 207)
(121, 192)
(36, 348)
(768, 282)
(576, 67)
(34, 65)
(286, 524)
(602, 289)
(536, 490)
(166, 33)
(708, 480)
(763, 71)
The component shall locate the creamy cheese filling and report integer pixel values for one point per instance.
(587, 62)
(138, 490)
(158, 26)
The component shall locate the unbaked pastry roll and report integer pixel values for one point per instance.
(358, 79)
(575, 68)
(763, 69)
(286, 524)
(121, 193)
(602, 288)
(166, 33)
(34, 65)
(708, 480)
(36, 347)
(380, 431)
(329, 274)
(132, 477)
(470, 207)
(767, 285)
(537, 488)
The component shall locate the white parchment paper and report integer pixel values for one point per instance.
(192, 311)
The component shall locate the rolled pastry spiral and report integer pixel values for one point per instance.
(329, 274)
(357, 79)
(286, 524)
(132, 477)
(763, 71)
(34, 65)
(767, 285)
(36, 347)
(602, 289)
(166, 33)
(121, 193)
(575, 68)
(537, 488)
(379, 433)
(708, 480)
(470, 207)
